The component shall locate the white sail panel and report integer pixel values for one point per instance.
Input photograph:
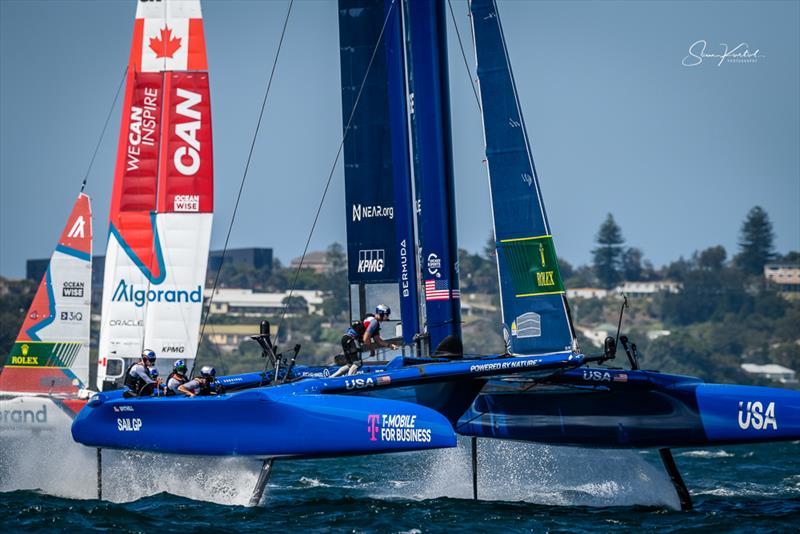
(174, 307)
(160, 217)
(122, 326)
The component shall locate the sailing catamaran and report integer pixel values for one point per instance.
(163, 196)
(591, 407)
(159, 234)
(44, 379)
(401, 133)
(409, 120)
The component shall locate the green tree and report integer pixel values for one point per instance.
(337, 296)
(712, 258)
(12, 312)
(632, 264)
(490, 248)
(565, 269)
(755, 242)
(583, 276)
(295, 304)
(607, 257)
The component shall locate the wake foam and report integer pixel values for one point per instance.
(541, 474)
(54, 464)
(707, 454)
(508, 471)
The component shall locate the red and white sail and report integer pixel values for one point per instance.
(163, 194)
(51, 352)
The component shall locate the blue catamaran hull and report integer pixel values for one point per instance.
(306, 418)
(261, 423)
(596, 407)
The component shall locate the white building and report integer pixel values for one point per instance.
(248, 303)
(771, 371)
(641, 289)
(785, 275)
(587, 293)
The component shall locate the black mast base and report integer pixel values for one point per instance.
(474, 468)
(261, 483)
(99, 474)
(677, 480)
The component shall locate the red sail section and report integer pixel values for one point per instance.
(77, 234)
(186, 174)
(136, 176)
(76, 240)
(197, 46)
(38, 312)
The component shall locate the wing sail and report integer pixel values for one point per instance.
(380, 236)
(51, 352)
(162, 200)
(535, 312)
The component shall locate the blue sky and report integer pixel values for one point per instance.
(679, 154)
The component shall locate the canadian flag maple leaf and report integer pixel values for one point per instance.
(165, 45)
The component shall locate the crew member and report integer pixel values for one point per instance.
(177, 377)
(363, 335)
(203, 384)
(137, 376)
(157, 390)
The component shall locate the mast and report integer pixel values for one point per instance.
(162, 199)
(400, 132)
(428, 88)
(536, 316)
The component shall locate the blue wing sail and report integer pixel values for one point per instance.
(535, 313)
(433, 166)
(380, 238)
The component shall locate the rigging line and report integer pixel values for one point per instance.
(103, 132)
(464, 57)
(244, 176)
(333, 167)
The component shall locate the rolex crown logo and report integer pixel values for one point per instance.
(25, 350)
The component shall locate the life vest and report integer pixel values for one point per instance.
(360, 328)
(133, 382)
(208, 387)
(176, 376)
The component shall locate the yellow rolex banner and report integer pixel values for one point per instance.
(533, 266)
(43, 354)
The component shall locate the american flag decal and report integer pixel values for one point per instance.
(440, 290)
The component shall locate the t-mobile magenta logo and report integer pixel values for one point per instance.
(372, 425)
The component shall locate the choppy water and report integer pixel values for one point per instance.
(50, 484)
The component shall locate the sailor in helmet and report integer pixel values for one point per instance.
(363, 335)
(177, 377)
(203, 384)
(138, 379)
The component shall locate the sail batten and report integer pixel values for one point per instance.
(535, 314)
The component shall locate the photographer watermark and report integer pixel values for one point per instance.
(700, 51)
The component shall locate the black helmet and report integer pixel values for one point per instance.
(208, 372)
